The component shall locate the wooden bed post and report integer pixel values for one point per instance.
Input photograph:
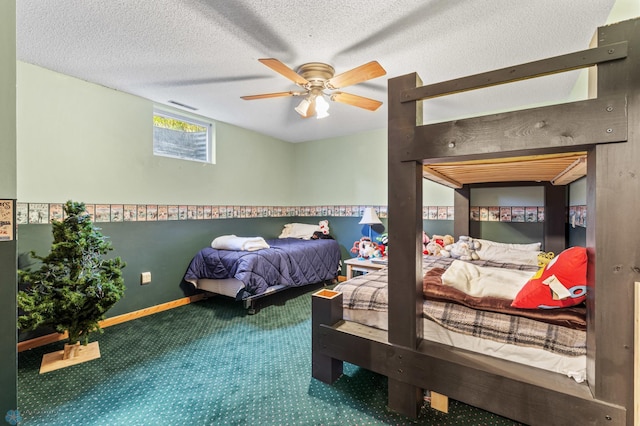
(326, 308)
(636, 353)
(405, 234)
(461, 206)
(613, 203)
(555, 201)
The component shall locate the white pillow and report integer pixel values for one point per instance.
(521, 254)
(528, 247)
(299, 230)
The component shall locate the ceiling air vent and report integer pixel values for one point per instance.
(183, 105)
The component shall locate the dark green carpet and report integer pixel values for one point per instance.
(209, 363)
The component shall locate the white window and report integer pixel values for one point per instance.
(182, 136)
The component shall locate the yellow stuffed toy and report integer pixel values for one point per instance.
(543, 260)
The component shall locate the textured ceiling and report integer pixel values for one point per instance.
(204, 53)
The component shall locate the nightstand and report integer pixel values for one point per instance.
(363, 265)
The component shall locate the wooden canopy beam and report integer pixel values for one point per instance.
(555, 128)
(555, 65)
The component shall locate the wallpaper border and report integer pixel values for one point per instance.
(43, 213)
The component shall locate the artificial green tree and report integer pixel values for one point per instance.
(75, 285)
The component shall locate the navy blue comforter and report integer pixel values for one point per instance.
(289, 261)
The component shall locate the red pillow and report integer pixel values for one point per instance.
(566, 283)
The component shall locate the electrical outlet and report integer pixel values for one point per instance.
(145, 278)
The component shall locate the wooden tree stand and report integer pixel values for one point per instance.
(70, 355)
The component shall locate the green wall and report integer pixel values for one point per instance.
(164, 248)
(578, 192)
(7, 100)
(8, 178)
(351, 170)
(84, 141)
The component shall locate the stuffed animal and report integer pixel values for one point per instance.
(437, 243)
(323, 232)
(433, 249)
(365, 248)
(464, 249)
(443, 240)
(383, 246)
(324, 226)
(543, 260)
(425, 241)
(355, 249)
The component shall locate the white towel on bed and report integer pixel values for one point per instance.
(231, 242)
(484, 281)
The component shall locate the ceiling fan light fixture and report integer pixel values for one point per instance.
(322, 107)
(322, 114)
(303, 107)
(314, 77)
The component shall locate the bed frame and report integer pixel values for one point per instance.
(229, 287)
(608, 129)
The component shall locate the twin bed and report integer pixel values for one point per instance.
(248, 269)
(415, 352)
(550, 339)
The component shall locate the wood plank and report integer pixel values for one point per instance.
(612, 200)
(326, 308)
(54, 360)
(130, 316)
(404, 397)
(437, 177)
(439, 402)
(563, 168)
(405, 233)
(544, 130)
(636, 353)
(554, 65)
(573, 172)
(56, 337)
(461, 207)
(555, 201)
(405, 218)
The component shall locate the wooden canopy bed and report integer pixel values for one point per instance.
(606, 132)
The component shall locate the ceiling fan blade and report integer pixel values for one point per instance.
(271, 95)
(357, 75)
(284, 70)
(355, 100)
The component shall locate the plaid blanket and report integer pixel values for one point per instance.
(369, 292)
(511, 329)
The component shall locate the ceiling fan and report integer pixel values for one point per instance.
(315, 78)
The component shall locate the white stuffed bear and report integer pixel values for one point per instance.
(464, 249)
(324, 226)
